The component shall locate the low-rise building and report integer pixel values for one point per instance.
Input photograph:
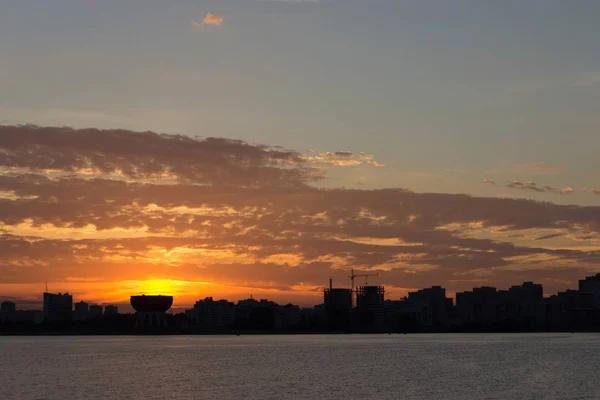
(111, 310)
(95, 311)
(7, 311)
(82, 311)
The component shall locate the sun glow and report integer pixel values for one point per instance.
(162, 286)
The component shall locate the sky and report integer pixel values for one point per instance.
(230, 148)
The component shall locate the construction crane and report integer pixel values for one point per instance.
(353, 275)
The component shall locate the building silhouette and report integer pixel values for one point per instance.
(111, 310)
(95, 312)
(370, 313)
(287, 316)
(58, 307)
(404, 316)
(436, 308)
(518, 308)
(210, 315)
(8, 311)
(151, 310)
(337, 303)
(481, 306)
(591, 284)
(524, 304)
(81, 311)
(572, 309)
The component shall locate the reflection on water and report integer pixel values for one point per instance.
(494, 366)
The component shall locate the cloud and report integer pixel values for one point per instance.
(550, 236)
(122, 154)
(532, 186)
(212, 19)
(541, 168)
(567, 190)
(594, 191)
(529, 185)
(98, 208)
(342, 159)
(491, 182)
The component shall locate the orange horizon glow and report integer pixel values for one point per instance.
(184, 293)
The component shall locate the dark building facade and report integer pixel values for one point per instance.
(370, 311)
(82, 311)
(209, 314)
(337, 303)
(111, 310)
(8, 311)
(58, 307)
(95, 311)
(436, 308)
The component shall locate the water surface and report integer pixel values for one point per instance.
(469, 366)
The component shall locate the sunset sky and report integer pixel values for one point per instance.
(230, 148)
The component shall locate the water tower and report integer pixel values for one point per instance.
(151, 310)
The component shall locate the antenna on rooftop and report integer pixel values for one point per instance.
(46, 285)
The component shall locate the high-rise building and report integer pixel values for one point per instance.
(572, 308)
(591, 284)
(58, 307)
(82, 311)
(370, 312)
(337, 299)
(434, 303)
(524, 304)
(479, 306)
(111, 310)
(210, 314)
(338, 307)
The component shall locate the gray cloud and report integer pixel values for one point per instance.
(529, 185)
(148, 155)
(532, 186)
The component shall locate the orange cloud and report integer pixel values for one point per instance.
(342, 159)
(567, 190)
(212, 19)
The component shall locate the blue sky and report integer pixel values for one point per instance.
(445, 94)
